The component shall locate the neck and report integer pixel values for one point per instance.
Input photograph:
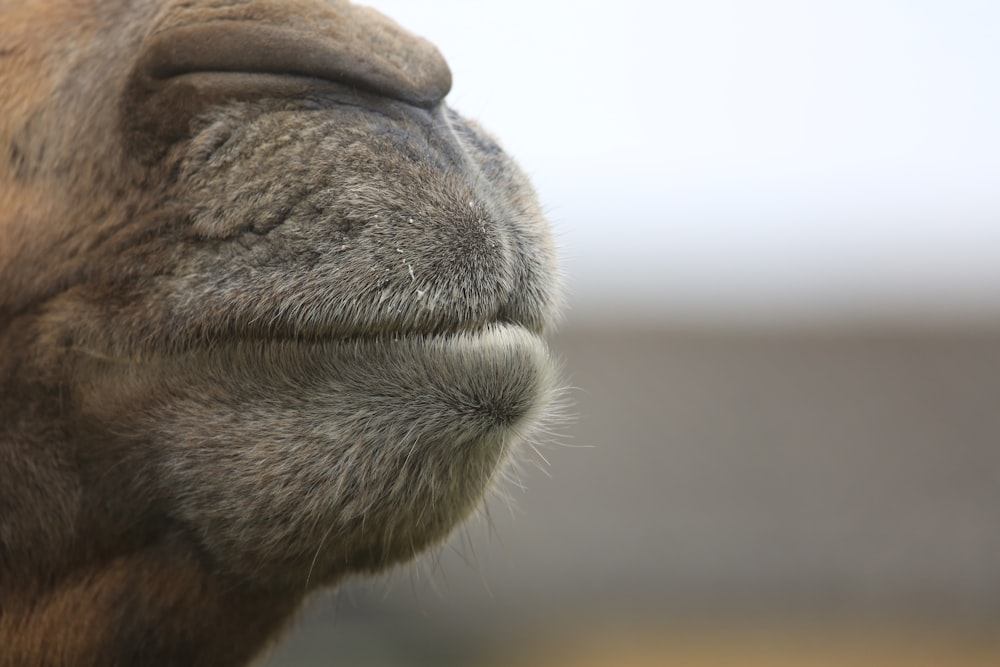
(159, 606)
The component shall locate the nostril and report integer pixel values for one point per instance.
(368, 57)
(195, 58)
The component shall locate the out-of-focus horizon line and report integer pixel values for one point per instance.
(618, 309)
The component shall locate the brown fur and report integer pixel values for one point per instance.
(268, 316)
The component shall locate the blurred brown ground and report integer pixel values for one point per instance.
(800, 497)
(755, 646)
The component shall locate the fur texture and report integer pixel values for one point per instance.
(270, 314)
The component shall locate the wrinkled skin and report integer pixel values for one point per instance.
(270, 314)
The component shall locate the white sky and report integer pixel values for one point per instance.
(732, 159)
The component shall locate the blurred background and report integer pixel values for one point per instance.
(780, 228)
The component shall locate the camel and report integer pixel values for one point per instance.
(271, 315)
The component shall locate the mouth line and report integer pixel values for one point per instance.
(386, 334)
(205, 342)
